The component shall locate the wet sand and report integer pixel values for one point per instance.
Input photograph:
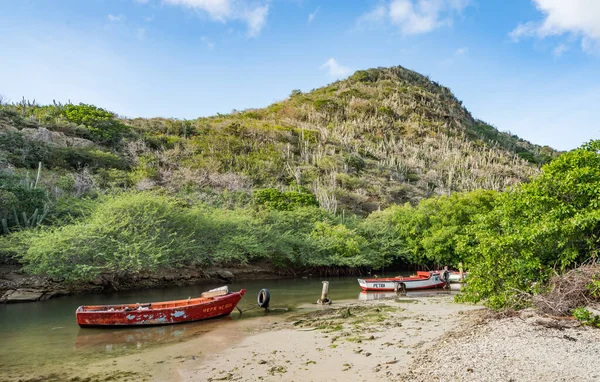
(372, 340)
(358, 340)
(398, 339)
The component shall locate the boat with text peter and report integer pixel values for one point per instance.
(214, 303)
(422, 280)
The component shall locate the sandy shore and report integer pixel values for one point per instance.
(526, 347)
(373, 341)
(403, 339)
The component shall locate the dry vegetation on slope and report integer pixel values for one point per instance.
(382, 136)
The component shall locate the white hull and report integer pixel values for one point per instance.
(410, 283)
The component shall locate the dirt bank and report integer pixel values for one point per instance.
(17, 286)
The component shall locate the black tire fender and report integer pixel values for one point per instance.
(400, 288)
(264, 297)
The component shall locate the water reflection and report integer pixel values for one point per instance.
(110, 339)
(375, 295)
(366, 296)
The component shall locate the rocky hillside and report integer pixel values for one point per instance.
(382, 136)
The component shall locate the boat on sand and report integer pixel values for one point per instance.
(214, 303)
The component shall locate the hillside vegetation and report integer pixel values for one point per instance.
(383, 168)
(380, 137)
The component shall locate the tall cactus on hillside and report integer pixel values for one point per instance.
(11, 215)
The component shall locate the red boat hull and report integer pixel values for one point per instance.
(161, 313)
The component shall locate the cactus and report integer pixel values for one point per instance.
(5, 226)
(25, 222)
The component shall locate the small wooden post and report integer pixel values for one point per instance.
(324, 294)
(460, 270)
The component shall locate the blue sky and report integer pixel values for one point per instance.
(529, 67)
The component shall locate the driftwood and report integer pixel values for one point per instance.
(568, 291)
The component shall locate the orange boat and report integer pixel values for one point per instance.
(214, 303)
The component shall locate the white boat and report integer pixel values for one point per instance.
(453, 276)
(423, 280)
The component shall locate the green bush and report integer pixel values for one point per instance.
(272, 198)
(586, 317)
(103, 125)
(547, 225)
(124, 234)
(24, 153)
(21, 205)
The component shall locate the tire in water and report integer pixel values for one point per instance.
(264, 297)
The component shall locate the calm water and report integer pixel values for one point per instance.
(34, 336)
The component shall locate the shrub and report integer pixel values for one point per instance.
(548, 224)
(103, 125)
(272, 198)
(124, 234)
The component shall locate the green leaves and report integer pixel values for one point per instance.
(274, 199)
(102, 125)
(551, 223)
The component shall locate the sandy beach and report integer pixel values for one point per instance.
(398, 339)
(374, 340)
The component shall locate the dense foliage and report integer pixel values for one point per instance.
(384, 168)
(141, 231)
(547, 225)
(381, 137)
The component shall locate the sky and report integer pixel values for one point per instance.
(528, 67)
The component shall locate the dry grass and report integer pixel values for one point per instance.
(568, 291)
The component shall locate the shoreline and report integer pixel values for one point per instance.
(417, 339)
(17, 287)
(362, 340)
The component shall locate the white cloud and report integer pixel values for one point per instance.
(336, 70)
(415, 16)
(523, 30)
(376, 16)
(311, 16)
(559, 50)
(458, 53)
(140, 33)
(254, 15)
(217, 9)
(579, 18)
(209, 44)
(461, 51)
(115, 18)
(256, 19)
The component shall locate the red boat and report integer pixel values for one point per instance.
(214, 303)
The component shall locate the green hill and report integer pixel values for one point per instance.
(383, 136)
